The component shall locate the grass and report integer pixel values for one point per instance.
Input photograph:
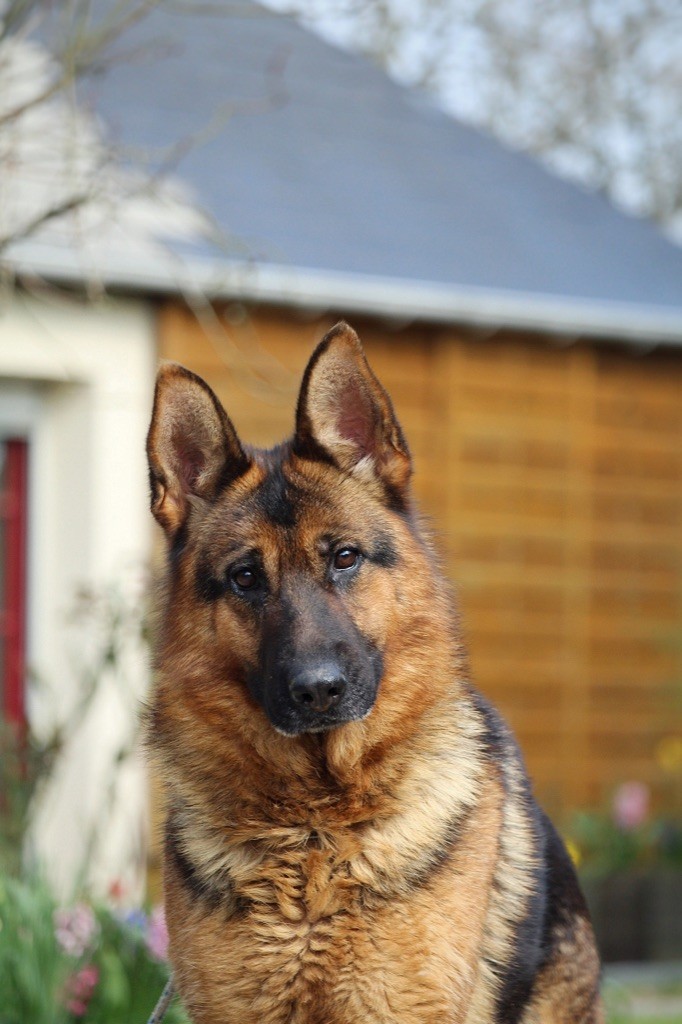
(643, 995)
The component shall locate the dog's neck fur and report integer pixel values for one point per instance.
(319, 804)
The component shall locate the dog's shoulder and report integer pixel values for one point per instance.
(540, 940)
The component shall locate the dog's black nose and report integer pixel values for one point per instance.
(318, 688)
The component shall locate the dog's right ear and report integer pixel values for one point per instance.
(192, 447)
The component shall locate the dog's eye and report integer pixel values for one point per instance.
(244, 579)
(346, 558)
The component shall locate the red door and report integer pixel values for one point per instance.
(13, 521)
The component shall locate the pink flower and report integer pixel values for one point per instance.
(156, 937)
(631, 805)
(117, 891)
(75, 928)
(80, 990)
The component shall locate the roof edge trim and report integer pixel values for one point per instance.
(392, 298)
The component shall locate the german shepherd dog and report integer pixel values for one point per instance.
(351, 836)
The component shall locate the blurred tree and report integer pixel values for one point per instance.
(58, 169)
(592, 86)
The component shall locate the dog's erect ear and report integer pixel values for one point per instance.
(345, 416)
(192, 447)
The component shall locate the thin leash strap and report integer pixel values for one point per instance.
(164, 1002)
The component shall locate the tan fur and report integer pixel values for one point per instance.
(565, 988)
(297, 957)
(378, 871)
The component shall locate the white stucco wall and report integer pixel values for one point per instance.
(77, 379)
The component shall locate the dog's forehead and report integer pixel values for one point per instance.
(278, 497)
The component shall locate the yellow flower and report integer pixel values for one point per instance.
(574, 852)
(669, 754)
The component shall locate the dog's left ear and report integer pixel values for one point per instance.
(345, 416)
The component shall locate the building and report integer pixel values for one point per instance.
(529, 333)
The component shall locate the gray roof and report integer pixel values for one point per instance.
(332, 182)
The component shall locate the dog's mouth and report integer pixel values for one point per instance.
(294, 721)
(318, 727)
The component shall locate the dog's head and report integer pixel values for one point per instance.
(290, 574)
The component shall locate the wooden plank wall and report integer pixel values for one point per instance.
(553, 479)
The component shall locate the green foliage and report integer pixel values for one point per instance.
(626, 836)
(605, 847)
(107, 626)
(25, 763)
(87, 963)
(105, 974)
(32, 972)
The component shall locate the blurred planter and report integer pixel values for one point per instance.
(637, 914)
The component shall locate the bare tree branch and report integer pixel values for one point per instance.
(592, 86)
